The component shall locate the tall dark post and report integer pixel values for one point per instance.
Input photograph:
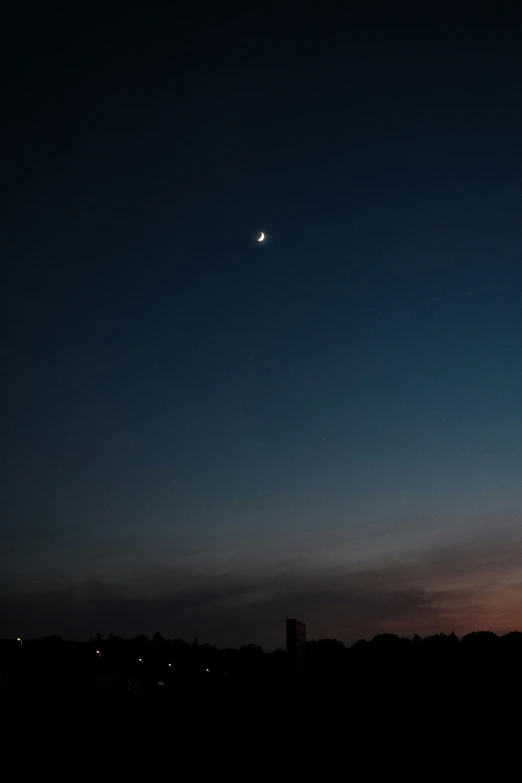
(295, 656)
(295, 645)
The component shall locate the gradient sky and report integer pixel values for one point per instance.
(203, 435)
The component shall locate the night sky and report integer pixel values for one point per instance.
(203, 434)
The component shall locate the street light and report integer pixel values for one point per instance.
(170, 666)
(140, 660)
(19, 640)
(98, 652)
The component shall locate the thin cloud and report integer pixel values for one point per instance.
(474, 583)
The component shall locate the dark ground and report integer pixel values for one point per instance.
(253, 725)
(271, 737)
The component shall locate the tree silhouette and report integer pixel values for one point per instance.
(511, 643)
(251, 649)
(326, 647)
(157, 638)
(441, 644)
(480, 643)
(386, 644)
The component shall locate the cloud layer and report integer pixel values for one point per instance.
(472, 584)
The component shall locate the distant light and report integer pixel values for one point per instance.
(170, 666)
(97, 652)
(161, 683)
(140, 660)
(207, 670)
(18, 639)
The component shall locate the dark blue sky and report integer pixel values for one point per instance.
(203, 434)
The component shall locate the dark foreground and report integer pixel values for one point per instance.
(264, 721)
(269, 738)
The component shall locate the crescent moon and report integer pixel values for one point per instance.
(260, 238)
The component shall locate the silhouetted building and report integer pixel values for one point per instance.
(295, 637)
